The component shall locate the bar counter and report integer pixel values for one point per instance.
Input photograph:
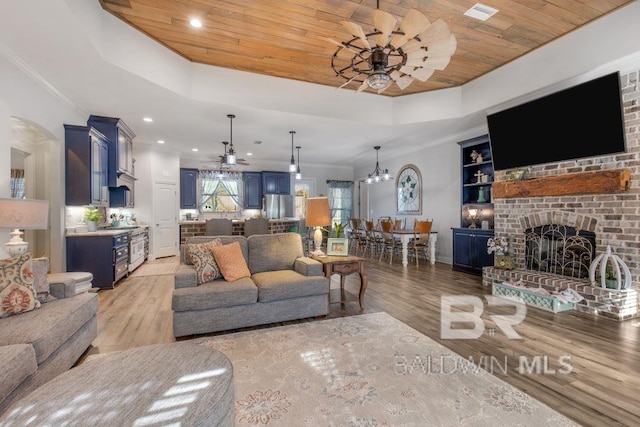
(197, 228)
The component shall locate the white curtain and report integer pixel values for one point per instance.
(217, 184)
(340, 201)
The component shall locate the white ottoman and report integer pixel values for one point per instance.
(165, 384)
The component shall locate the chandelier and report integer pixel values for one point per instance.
(412, 50)
(378, 174)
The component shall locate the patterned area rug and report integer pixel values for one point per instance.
(368, 370)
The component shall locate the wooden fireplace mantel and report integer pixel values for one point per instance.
(597, 182)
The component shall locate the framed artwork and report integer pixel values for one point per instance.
(409, 191)
(339, 247)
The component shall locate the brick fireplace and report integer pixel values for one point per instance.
(611, 213)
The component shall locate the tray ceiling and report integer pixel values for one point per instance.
(283, 38)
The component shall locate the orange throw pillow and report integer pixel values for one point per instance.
(231, 262)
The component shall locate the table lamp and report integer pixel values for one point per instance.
(318, 216)
(473, 214)
(25, 214)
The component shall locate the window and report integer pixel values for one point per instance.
(220, 191)
(17, 183)
(340, 201)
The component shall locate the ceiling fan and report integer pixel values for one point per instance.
(412, 50)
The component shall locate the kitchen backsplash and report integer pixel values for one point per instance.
(75, 215)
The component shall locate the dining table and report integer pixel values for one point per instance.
(405, 237)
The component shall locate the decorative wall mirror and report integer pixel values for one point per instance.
(409, 191)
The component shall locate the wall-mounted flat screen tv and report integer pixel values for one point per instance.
(582, 121)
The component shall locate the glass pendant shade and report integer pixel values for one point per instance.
(378, 80)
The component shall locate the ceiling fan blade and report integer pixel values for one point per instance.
(337, 43)
(347, 82)
(385, 23)
(402, 80)
(412, 45)
(356, 31)
(445, 47)
(437, 62)
(421, 74)
(412, 25)
(439, 30)
(417, 56)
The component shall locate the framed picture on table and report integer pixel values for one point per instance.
(409, 191)
(339, 247)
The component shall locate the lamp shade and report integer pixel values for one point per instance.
(318, 214)
(26, 214)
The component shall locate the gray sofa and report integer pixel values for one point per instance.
(284, 285)
(38, 345)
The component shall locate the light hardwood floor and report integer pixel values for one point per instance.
(602, 389)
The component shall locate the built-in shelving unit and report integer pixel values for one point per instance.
(476, 207)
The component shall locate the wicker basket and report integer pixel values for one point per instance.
(532, 299)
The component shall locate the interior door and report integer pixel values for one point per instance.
(165, 214)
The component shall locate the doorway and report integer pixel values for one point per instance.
(165, 220)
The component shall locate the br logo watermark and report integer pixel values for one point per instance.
(451, 314)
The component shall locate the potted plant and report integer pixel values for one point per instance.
(92, 216)
(338, 229)
(610, 280)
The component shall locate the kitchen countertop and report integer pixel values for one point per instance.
(202, 221)
(106, 231)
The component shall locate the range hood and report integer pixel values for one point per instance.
(124, 182)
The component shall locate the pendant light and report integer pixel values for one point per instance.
(378, 174)
(231, 154)
(292, 165)
(298, 174)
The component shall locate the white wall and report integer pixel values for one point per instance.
(438, 166)
(5, 166)
(25, 96)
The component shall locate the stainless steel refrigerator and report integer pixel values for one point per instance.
(278, 206)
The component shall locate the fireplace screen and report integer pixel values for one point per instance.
(559, 249)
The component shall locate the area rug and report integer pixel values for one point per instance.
(155, 269)
(367, 370)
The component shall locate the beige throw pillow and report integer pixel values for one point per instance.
(16, 286)
(231, 262)
(204, 262)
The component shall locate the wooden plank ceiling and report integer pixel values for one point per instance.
(283, 38)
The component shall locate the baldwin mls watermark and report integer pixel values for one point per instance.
(453, 364)
(461, 318)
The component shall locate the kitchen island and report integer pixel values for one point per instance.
(198, 227)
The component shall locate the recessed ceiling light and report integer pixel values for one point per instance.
(195, 23)
(148, 119)
(194, 149)
(160, 141)
(249, 154)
